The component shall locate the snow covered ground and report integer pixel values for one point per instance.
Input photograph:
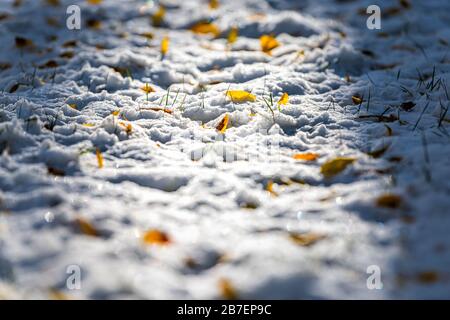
(151, 201)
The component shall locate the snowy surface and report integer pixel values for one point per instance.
(168, 172)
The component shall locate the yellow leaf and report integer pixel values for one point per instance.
(115, 113)
(233, 35)
(165, 45)
(206, 28)
(268, 43)
(227, 289)
(356, 100)
(86, 227)
(306, 239)
(214, 4)
(147, 89)
(239, 96)
(335, 166)
(390, 201)
(156, 237)
(158, 17)
(89, 125)
(284, 99)
(269, 188)
(223, 124)
(73, 106)
(306, 156)
(99, 158)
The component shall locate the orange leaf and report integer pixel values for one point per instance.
(227, 289)
(206, 28)
(86, 227)
(306, 156)
(156, 237)
(268, 43)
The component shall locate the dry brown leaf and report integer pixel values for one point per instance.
(306, 239)
(86, 227)
(357, 100)
(390, 201)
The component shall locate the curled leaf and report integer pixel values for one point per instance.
(335, 166)
(357, 100)
(223, 124)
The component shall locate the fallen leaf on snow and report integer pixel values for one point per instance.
(233, 35)
(223, 124)
(390, 201)
(284, 99)
(206, 28)
(306, 156)
(268, 43)
(156, 237)
(306, 239)
(227, 289)
(99, 158)
(86, 227)
(335, 166)
(165, 45)
(158, 17)
(240, 96)
(357, 100)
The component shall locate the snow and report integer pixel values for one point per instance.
(176, 173)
